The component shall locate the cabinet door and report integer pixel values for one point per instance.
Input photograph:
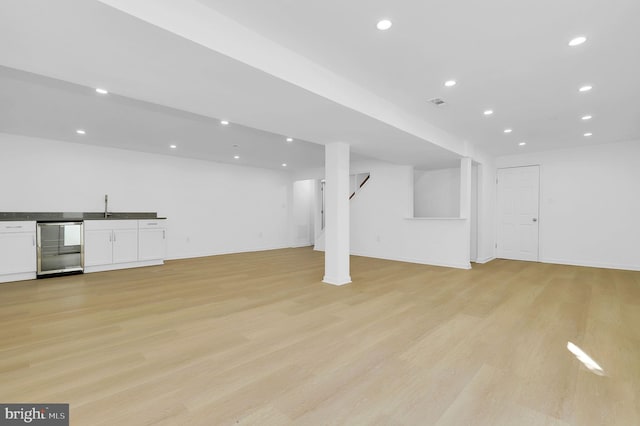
(125, 245)
(152, 245)
(17, 253)
(98, 248)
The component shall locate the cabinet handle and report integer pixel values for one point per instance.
(33, 240)
(15, 227)
(152, 223)
(111, 236)
(114, 236)
(163, 234)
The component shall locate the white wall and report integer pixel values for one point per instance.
(474, 214)
(486, 211)
(437, 193)
(212, 208)
(436, 229)
(382, 225)
(303, 217)
(589, 204)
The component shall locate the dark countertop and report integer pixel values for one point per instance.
(75, 216)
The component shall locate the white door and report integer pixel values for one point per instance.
(518, 199)
(98, 247)
(125, 245)
(17, 252)
(151, 244)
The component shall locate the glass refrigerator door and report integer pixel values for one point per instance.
(60, 247)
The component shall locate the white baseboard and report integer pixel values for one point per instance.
(485, 260)
(591, 264)
(301, 245)
(415, 260)
(17, 277)
(116, 266)
(337, 281)
(223, 252)
(354, 253)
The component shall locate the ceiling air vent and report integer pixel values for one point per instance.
(437, 101)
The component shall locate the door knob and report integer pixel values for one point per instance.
(535, 219)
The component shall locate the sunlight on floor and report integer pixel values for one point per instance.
(585, 359)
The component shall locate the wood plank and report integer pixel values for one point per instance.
(256, 338)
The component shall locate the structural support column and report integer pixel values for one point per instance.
(465, 188)
(465, 201)
(336, 210)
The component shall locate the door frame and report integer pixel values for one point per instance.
(497, 216)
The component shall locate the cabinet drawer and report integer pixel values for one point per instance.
(18, 226)
(101, 225)
(151, 223)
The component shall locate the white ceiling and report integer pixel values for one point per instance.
(509, 56)
(39, 106)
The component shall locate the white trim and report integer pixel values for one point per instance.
(485, 260)
(116, 266)
(336, 280)
(17, 277)
(496, 213)
(220, 253)
(415, 260)
(520, 259)
(301, 245)
(435, 218)
(591, 264)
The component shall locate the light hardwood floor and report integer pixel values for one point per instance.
(256, 338)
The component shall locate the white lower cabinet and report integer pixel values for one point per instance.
(117, 244)
(152, 239)
(17, 250)
(98, 246)
(109, 242)
(125, 245)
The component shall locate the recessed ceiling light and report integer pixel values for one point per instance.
(588, 134)
(585, 88)
(284, 164)
(236, 157)
(450, 83)
(289, 139)
(384, 24)
(522, 143)
(224, 122)
(587, 117)
(488, 112)
(101, 91)
(172, 146)
(577, 41)
(81, 132)
(508, 130)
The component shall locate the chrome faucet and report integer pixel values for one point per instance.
(106, 206)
